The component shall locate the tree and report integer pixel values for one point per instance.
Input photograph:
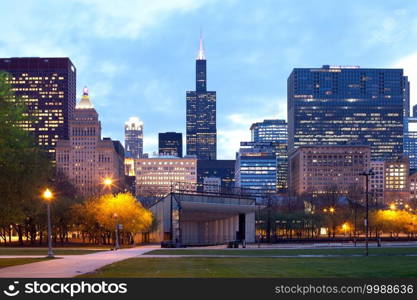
(24, 167)
(66, 198)
(98, 216)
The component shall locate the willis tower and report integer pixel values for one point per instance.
(201, 114)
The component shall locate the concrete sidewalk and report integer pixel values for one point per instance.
(72, 265)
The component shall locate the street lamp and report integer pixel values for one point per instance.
(48, 196)
(116, 243)
(368, 173)
(108, 182)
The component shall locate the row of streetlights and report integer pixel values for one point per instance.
(48, 196)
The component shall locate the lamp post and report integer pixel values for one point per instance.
(368, 173)
(116, 243)
(108, 183)
(47, 196)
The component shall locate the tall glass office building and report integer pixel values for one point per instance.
(201, 114)
(269, 131)
(47, 86)
(410, 140)
(256, 166)
(335, 105)
(275, 132)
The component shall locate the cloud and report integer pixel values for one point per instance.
(155, 95)
(100, 92)
(409, 64)
(111, 69)
(228, 142)
(150, 143)
(132, 18)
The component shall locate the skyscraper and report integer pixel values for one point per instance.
(410, 140)
(201, 114)
(47, 86)
(270, 131)
(85, 158)
(335, 105)
(134, 138)
(170, 143)
(275, 132)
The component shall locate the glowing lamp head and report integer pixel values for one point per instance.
(107, 181)
(332, 209)
(47, 195)
(392, 206)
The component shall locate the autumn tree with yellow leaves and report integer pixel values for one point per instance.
(97, 218)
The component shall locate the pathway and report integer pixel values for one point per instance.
(72, 265)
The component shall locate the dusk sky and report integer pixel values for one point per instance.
(138, 57)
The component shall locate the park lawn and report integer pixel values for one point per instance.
(277, 252)
(44, 251)
(250, 267)
(7, 262)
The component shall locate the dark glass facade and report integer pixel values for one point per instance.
(201, 115)
(170, 143)
(47, 85)
(222, 168)
(336, 105)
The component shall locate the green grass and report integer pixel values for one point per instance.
(277, 252)
(7, 262)
(235, 267)
(44, 251)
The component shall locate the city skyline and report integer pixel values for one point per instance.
(147, 61)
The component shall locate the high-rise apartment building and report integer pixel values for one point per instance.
(201, 114)
(274, 131)
(47, 86)
(85, 158)
(336, 105)
(134, 138)
(170, 143)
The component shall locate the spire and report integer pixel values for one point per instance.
(85, 100)
(201, 55)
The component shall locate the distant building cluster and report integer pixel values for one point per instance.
(341, 122)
